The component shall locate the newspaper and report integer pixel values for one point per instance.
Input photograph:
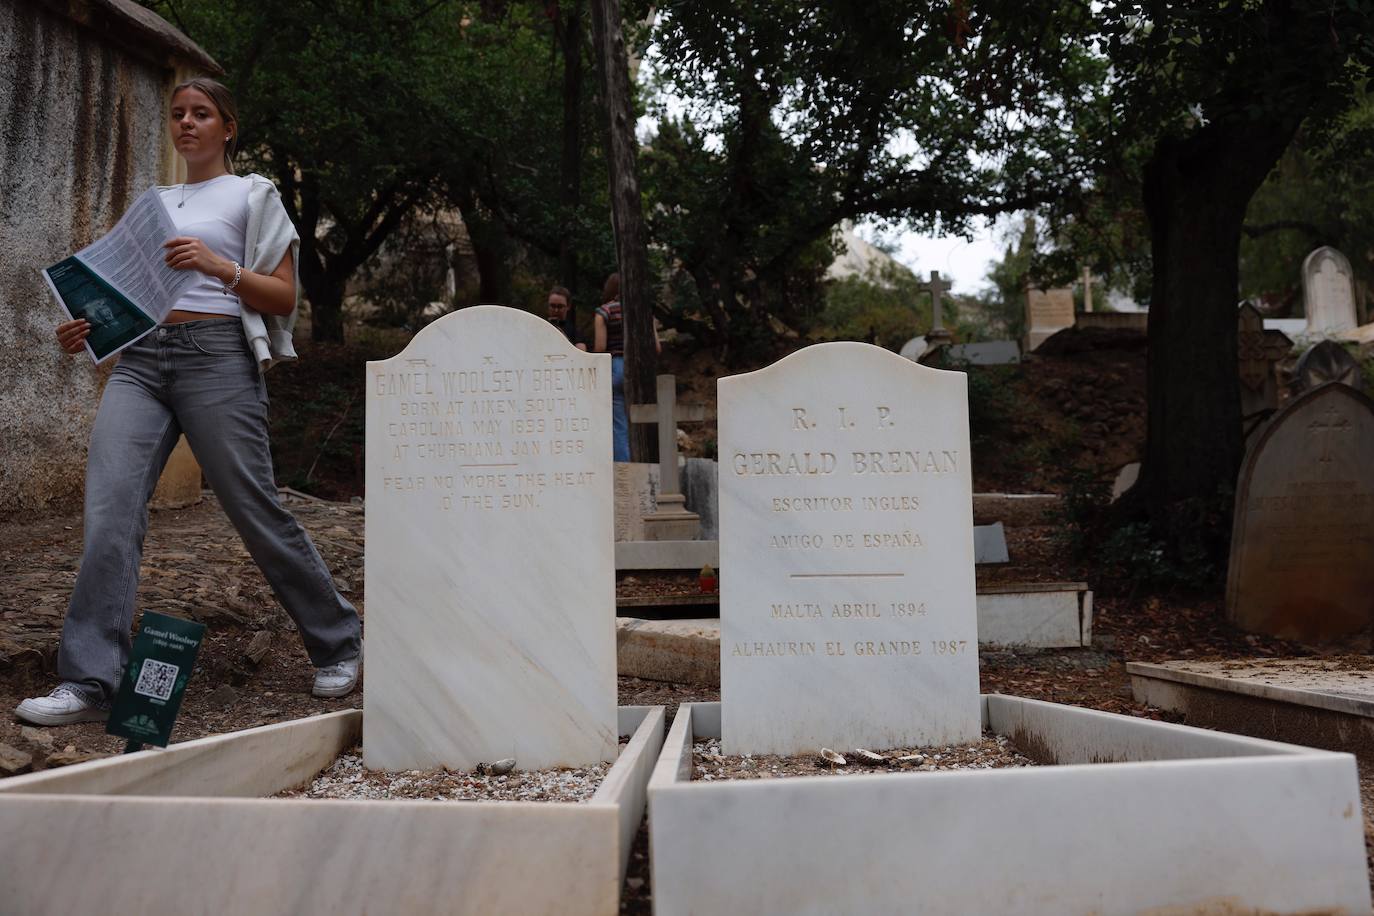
(120, 283)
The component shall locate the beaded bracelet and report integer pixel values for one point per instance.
(238, 275)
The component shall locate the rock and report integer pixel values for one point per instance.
(223, 695)
(37, 737)
(258, 647)
(502, 767)
(14, 761)
(70, 755)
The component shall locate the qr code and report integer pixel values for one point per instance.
(156, 679)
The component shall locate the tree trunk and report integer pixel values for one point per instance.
(570, 169)
(627, 220)
(325, 292)
(326, 310)
(1196, 193)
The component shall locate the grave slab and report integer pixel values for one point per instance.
(188, 830)
(1031, 615)
(1035, 615)
(490, 571)
(985, 353)
(1302, 547)
(1318, 702)
(1199, 822)
(673, 651)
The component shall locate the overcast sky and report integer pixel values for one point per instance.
(964, 263)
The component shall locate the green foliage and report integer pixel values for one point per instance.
(1175, 553)
(1320, 193)
(886, 306)
(992, 405)
(368, 112)
(800, 116)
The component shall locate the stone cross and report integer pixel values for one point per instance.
(937, 288)
(672, 521)
(1325, 427)
(1258, 350)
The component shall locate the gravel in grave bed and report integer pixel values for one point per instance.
(348, 779)
(991, 753)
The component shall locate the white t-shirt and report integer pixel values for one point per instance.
(216, 212)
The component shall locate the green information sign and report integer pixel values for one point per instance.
(149, 697)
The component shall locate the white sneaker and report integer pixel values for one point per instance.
(63, 706)
(337, 680)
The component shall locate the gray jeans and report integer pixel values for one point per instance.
(197, 378)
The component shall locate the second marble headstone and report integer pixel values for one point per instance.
(490, 586)
(848, 614)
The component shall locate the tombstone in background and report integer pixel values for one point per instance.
(636, 497)
(1328, 289)
(490, 568)
(1048, 311)
(985, 353)
(846, 515)
(939, 335)
(1125, 479)
(1302, 544)
(914, 349)
(701, 489)
(1258, 351)
(1325, 362)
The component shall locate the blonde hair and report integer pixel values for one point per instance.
(223, 101)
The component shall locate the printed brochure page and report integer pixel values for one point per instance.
(120, 283)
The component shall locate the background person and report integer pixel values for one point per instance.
(559, 312)
(200, 373)
(609, 337)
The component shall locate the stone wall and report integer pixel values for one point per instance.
(82, 133)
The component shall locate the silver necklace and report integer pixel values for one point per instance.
(195, 192)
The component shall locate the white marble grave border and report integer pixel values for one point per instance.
(189, 830)
(1136, 816)
(1253, 704)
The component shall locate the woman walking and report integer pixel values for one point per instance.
(200, 374)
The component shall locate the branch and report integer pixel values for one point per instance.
(1282, 225)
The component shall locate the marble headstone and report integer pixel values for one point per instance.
(490, 568)
(1302, 545)
(1048, 311)
(848, 614)
(1328, 291)
(1324, 362)
(636, 495)
(701, 486)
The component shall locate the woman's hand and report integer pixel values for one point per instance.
(71, 335)
(187, 253)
